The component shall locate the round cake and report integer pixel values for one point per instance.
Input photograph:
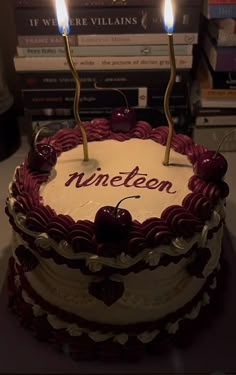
(98, 273)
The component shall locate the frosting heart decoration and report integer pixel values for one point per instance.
(108, 291)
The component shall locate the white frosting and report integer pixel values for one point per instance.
(149, 295)
(114, 157)
(122, 338)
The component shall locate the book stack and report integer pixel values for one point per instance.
(115, 44)
(214, 92)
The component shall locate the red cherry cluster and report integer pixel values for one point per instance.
(42, 157)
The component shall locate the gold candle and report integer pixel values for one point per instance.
(169, 24)
(63, 24)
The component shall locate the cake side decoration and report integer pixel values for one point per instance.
(107, 290)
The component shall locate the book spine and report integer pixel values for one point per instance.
(215, 120)
(222, 2)
(23, 64)
(85, 21)
(148, 50)
(214, 103)
(101, 3)
(220, 59)
(218, 94)
(40, 41)
(222, 11)
(136, 39)
(116, 78)
(221, 37)
(205, 112)
(154, 98)
(156, 113)
(48, 41)
(226, 40)
(88, 98)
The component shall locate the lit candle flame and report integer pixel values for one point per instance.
(62, 17)
(168, 17)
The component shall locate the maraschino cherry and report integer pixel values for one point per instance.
(123, 119)
(211, 166)
(42, 156)
(113, 223)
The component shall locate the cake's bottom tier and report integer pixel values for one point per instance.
(64, 334)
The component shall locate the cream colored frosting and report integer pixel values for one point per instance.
(114, 157)
(149, 295)
(122, 338)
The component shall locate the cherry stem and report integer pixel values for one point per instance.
(117, 206)
(222, 141)
(113, 89)
(38, 133)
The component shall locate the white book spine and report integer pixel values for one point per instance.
(217, 103)
(226, 40)
(135, 39)
(24, 64)
(136, 50)
(215, 120)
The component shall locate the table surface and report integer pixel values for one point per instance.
(216, 350)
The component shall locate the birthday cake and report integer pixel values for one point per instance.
(113, 254)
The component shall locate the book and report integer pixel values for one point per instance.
(153, 115)
(197, 100)
(115, 78)
(221, 2)
(136, 39)
(122, 20)
(215, 120)
(154, 98)
(213, 84)
(219, 10)
(101, 3)
(210, 79)
(198, 111)
(220, 58)
(92, 98)
(218, 94)
(139, 50)
(222, 31)
(24, 64)
(136, 96)
(28, 41)
(103, 40)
